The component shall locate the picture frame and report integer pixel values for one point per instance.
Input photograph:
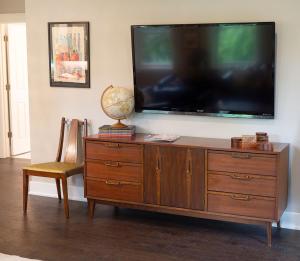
(69, 54)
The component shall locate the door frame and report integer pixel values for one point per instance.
(4, 127)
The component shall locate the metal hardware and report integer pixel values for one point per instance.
(119, 183)
(159, 167)
(235, 176)
(110, 164)
(112, 182)
(245, 198)
(241, 155)
(112, 145)
(189, 162)
(9, 134)
(189, 168)
(5, 38)
(158, 164)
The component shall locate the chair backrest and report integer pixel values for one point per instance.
(73, 151)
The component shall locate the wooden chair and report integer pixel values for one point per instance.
(58, 170)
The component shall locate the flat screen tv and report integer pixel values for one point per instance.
(225, 69)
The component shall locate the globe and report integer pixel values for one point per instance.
(117, 103)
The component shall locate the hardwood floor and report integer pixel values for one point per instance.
(127, 235)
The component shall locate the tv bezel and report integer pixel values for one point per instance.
(212, 114)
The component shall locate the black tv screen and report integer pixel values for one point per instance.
(207, 69)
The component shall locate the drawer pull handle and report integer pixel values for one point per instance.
(235, 176)
(112, 145)
(109, 164)
(112, 182)
(245, 198)
(158, 164)
(241, 155)
(189, 162)
(189, 168)
(120, 183)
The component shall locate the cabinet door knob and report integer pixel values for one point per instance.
(189, 168)
(157, 164)
(189, 162)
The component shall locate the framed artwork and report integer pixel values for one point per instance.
(69, 58)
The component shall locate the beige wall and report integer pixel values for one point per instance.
(12, 6)
(12, 18)
(111, 63)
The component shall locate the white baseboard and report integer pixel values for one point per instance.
(289, 220)
(48, 189)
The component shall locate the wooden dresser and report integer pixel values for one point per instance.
(196, 177)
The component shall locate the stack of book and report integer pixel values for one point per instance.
(107, 131)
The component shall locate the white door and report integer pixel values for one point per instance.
(18, 77)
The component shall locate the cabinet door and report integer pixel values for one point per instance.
(197, 187)
(173, 176)
(182, 177)
(152, 174)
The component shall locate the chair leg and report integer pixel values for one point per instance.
(58, 188)
(65, 192)
(25, 190)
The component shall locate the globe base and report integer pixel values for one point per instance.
(119, 125)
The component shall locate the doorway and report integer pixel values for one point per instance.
(15, 100)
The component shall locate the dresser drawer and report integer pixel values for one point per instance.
(112, 189)
(114, 170)
(242, 205)
(114, 151)
(242, 162)
(242, 183)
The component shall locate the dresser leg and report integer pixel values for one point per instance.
(269, 233)
(91, 207)
(278, 225)
(116, 210)
(25, 190)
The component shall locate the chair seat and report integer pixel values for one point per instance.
(56, 167)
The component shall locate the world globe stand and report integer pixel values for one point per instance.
(119, 125)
